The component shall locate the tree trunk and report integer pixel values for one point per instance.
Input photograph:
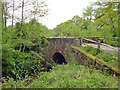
(2, 15)
(5, 17)
(13, 14)
(21, 25)
(100, 26)
(24, 48)
(112, 23)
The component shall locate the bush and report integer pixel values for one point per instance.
(18, 64)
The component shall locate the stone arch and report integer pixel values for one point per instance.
(58, 58)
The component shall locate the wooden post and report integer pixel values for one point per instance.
(78, 42)
(98, 46)
(81, 41)
(105, 39)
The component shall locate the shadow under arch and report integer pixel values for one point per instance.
(59, 58)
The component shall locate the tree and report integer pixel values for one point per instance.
(106, 14)
(71, 27)
(22, 19)
(13, 14)
(85, 24)
(19, 58)
(38, 9)
(5, 13)
(1, 37)
(88, 13)
(77, 20)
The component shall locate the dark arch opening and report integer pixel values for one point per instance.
(59, 58)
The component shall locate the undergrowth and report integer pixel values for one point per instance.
(71, 75)
(74, 76)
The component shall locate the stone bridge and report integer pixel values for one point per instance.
(64, 49)
(59, 48)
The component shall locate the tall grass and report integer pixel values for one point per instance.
(71, 75)
(74, 76)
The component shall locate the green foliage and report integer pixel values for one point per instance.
(9, 82)
(85, 25)
(107, 58)
(94, 52)
(69, 28)
(18, 63)
(99, 19)
(90, 49)
(114, 43)
(88, 13)
(104, 56)
(85, 28)
(106, 14)
(74, 76)
(71, 75)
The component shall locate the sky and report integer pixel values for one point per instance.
(63, 10)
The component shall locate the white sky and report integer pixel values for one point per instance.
(63, 10)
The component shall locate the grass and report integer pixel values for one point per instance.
(71, 75)
(74, 76)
